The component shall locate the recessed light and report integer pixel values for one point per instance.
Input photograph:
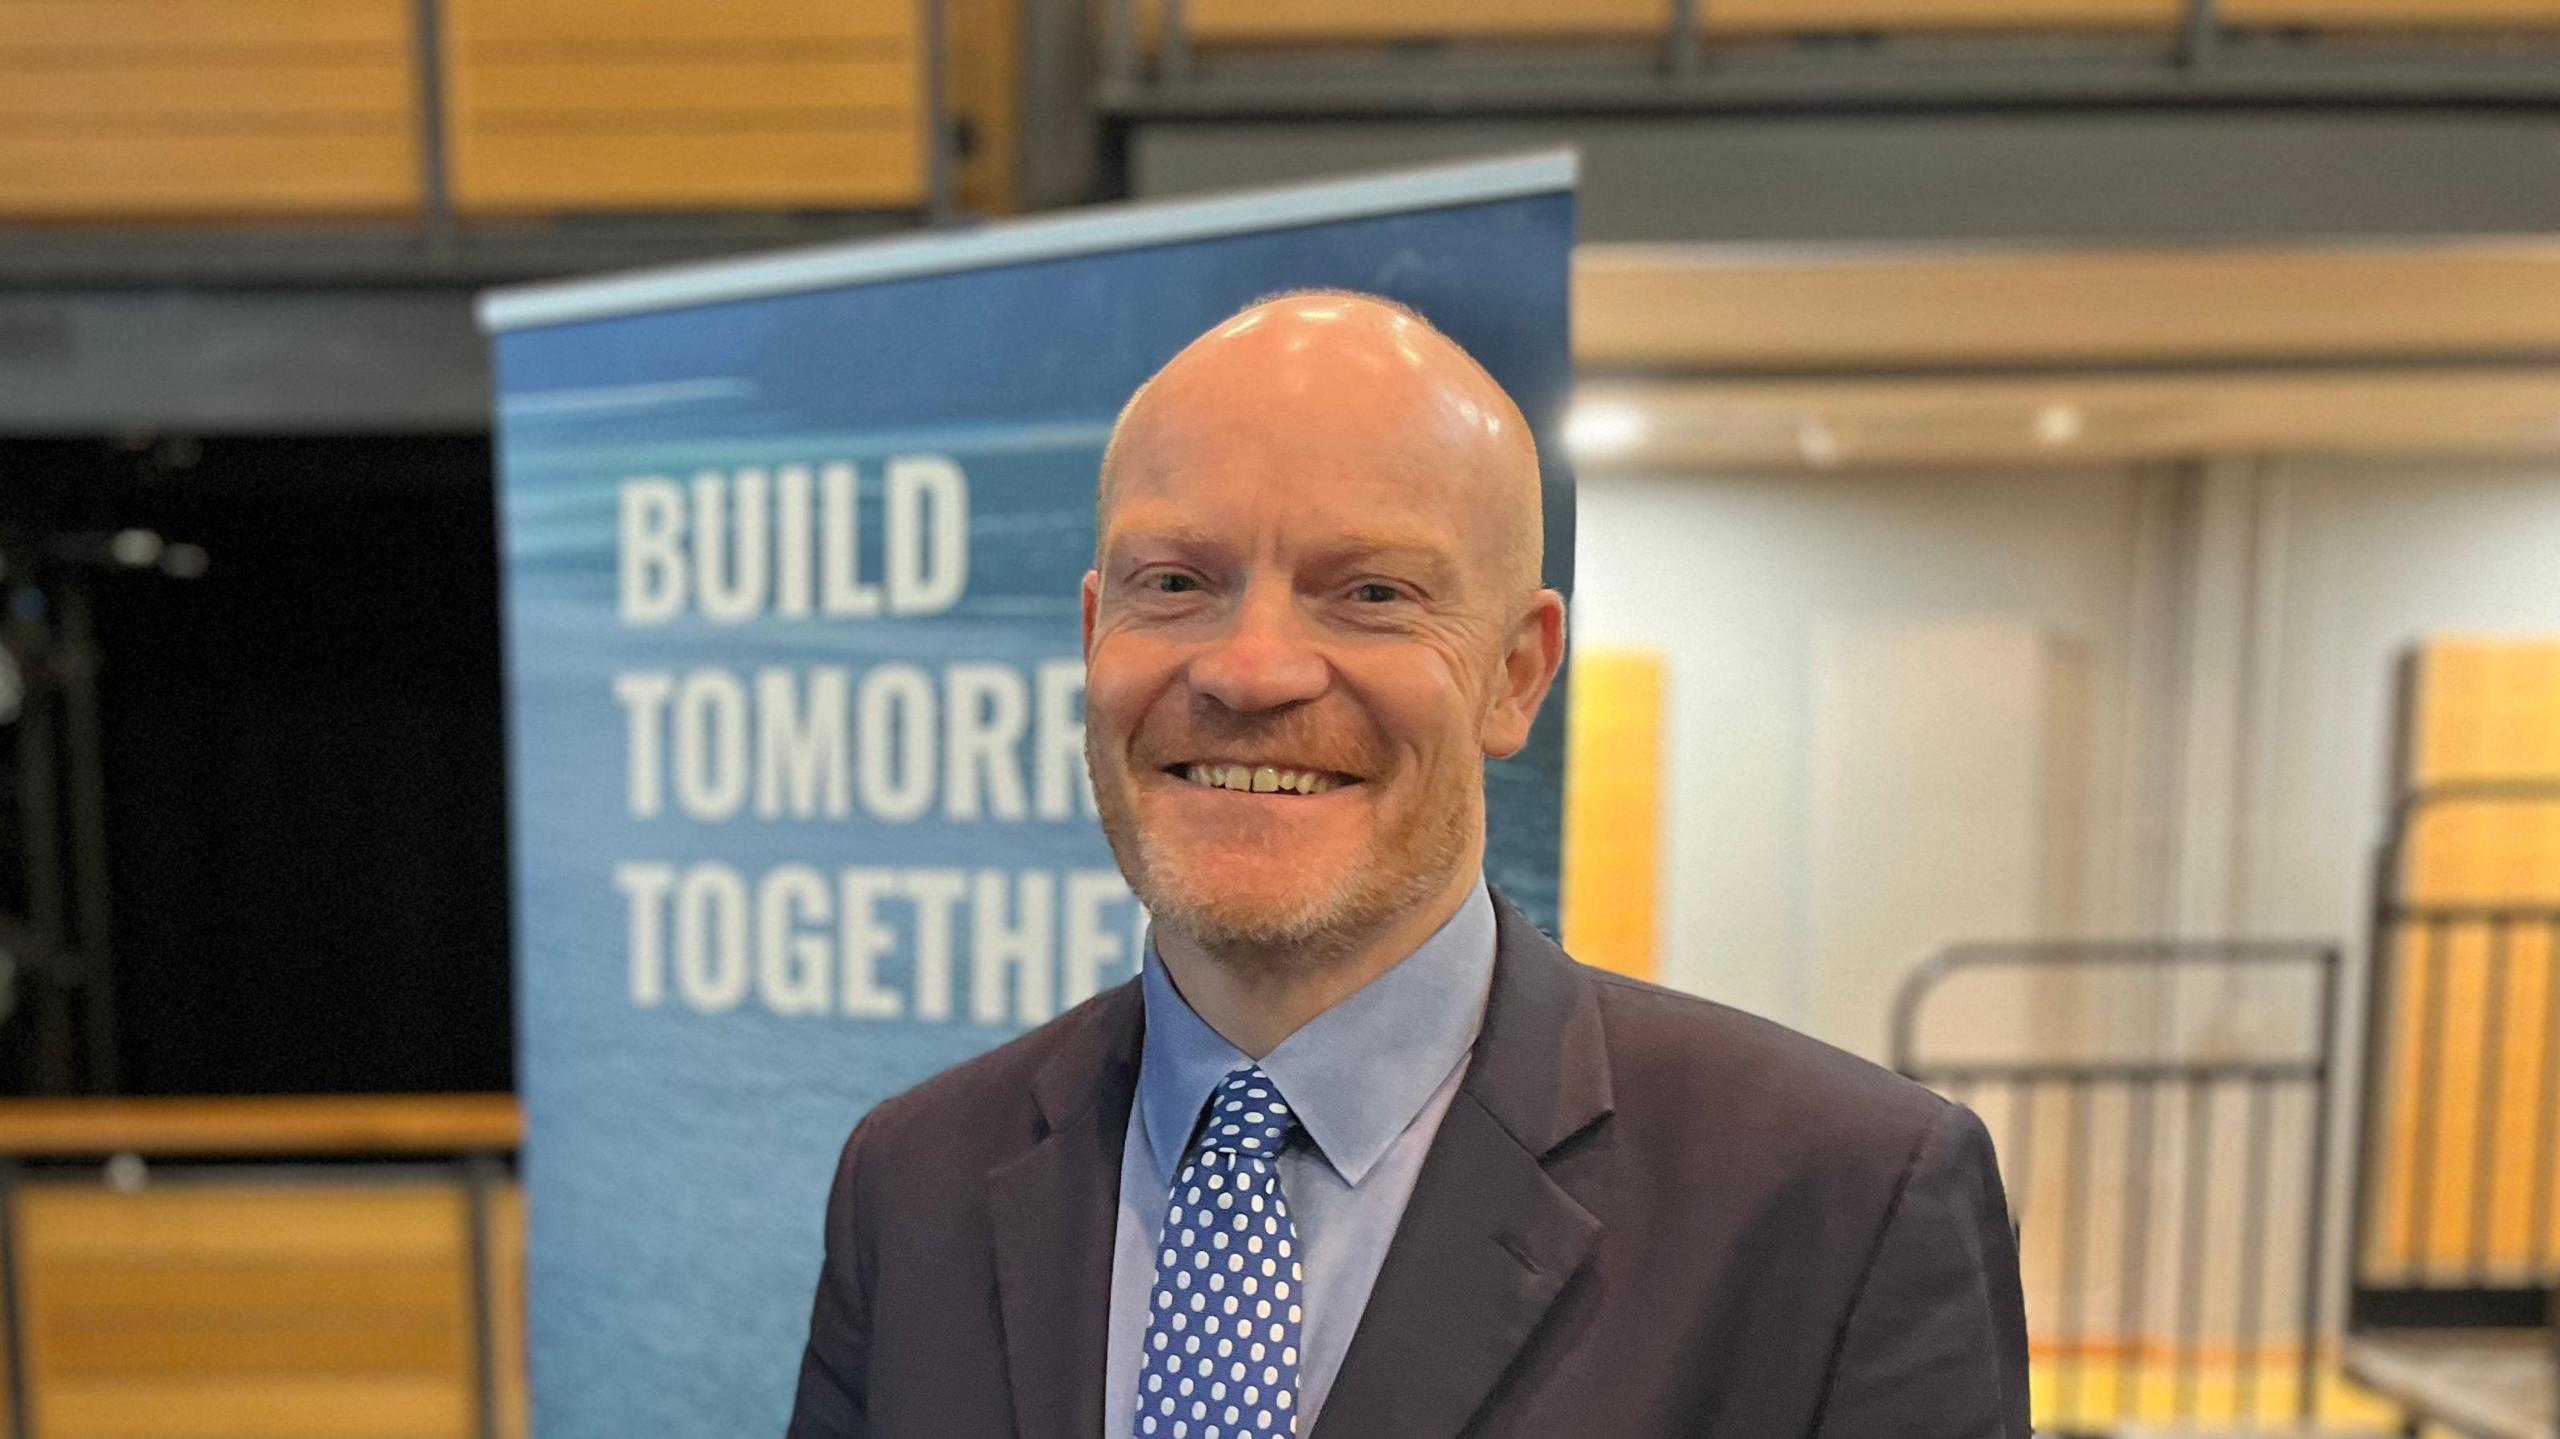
(1818, 443)
(1596, 429)
(2059, 424)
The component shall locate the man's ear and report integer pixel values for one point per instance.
(1092, 597)
(1529, 664)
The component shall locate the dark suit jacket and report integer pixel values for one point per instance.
(1644, 1215)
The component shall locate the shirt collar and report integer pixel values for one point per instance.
(1356, 1074)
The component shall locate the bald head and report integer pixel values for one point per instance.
(1333, 380)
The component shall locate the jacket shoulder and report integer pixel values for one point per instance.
(1682, 1054)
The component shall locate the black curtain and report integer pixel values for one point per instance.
(303, 758)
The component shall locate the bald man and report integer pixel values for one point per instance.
(1360, 1154)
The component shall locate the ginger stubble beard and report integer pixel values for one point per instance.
(1319, 927)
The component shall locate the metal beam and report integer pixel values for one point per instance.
(2124, 175)
(271, 361)
(2082, 76)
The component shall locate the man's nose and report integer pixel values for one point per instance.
(1266, 659)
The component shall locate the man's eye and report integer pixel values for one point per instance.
(1171, 582)
(1374, 593)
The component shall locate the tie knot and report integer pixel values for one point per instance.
(1247, 1115)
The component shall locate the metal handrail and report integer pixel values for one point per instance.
(2415, 1296)
(2146, 1083)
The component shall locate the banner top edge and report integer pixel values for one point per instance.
(1099, 228)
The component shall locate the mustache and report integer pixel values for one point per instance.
(1227, 735)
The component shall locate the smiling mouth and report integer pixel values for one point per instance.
(1260, 779)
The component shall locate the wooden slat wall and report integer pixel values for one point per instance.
(260, 1310)
(566, 105)
(112, 108)
(982, 60)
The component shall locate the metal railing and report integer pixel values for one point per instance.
(2452, 1140)
(2145, 1179)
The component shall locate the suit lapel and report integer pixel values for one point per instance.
(1055, 1211)
(1488, 1239)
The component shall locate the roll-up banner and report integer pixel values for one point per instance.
(791, 555)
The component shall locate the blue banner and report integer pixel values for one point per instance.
(792, 548)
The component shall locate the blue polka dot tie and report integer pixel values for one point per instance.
(1223, 1322)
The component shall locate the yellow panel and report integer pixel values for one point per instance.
(385, 1286)
(207, 175)
(506, 1302)
(2448, 1097)
(640, 22)
(126, 99)
(741, 169)
(2486, 709)
(161, 24)
(1612, 810)
(724, 87)
(377, 1406)
(224, 1311)
(982, 89)
(65, 1224)
(2479, 710)
(668, 104)
(315, 1339)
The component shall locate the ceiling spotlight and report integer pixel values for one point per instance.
(2059, 424)
(1819, 444)
(135, 549)
(1599, 429)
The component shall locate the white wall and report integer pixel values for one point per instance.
(2369, 557)
(2230, 632)
(1745, 584)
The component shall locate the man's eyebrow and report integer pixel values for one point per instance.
(1423, 556)
(1191, 538)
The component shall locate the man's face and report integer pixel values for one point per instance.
(1302, 638)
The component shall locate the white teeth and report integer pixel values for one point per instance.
(1260, 779)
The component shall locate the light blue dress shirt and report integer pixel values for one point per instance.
(1369, 1078)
